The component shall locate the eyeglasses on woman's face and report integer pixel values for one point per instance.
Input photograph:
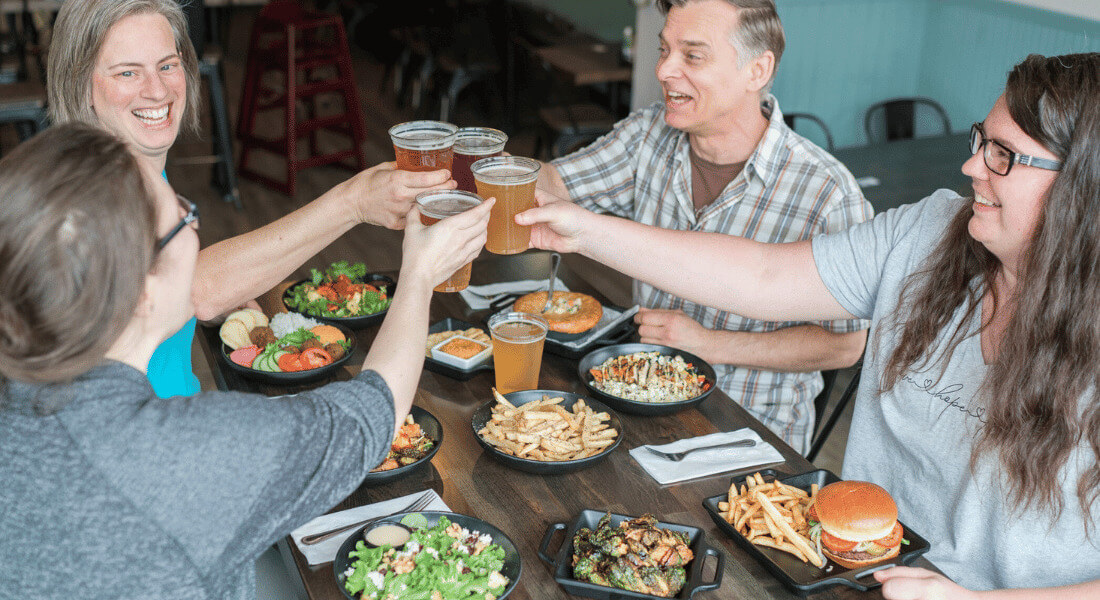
(1000, 159)
(190, 218)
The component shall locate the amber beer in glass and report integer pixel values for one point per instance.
(511, 180)
(423, 145)
(437, 205)
(517, 350)
(471, 145)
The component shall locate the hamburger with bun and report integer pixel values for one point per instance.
(856, 523)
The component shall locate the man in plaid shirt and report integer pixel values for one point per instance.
(717, 157)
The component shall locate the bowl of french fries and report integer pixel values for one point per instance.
(546, 432)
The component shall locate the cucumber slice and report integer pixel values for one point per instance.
(414, 521)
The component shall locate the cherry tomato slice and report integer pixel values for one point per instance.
(315, 358)
(836, 544)
(893, 538)
(244, 355)
(290, 363)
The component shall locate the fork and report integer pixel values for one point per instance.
(678, 456)
(418, 504)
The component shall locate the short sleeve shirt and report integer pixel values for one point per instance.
(789, 190)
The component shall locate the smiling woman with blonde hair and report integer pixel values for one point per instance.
(128, 66)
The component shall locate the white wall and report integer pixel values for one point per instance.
(1090, 9)
(645, 89)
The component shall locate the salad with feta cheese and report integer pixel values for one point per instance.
(443, 562)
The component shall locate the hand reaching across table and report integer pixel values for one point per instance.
(383, 194)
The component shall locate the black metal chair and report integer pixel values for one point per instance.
(791, 119)
(822, 431)
(901, 119)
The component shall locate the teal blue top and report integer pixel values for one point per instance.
(170, 368)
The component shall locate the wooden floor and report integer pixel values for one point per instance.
(377, 247)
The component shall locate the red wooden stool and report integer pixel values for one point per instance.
(291, 57)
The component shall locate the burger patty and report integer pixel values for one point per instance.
(853, 555)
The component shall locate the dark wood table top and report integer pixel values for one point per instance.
(586, 63)
(909, 170)
(524, 505)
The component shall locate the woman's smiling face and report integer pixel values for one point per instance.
(139, 87)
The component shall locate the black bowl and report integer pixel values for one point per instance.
(562, 562)
(375, 279)
(542, 467)
(513, 564)
(431, 428)
(597, 357)
(295, 377)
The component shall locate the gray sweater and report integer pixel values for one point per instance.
(120, 494)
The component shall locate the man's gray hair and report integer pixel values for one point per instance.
(77, 39)
(758, 29)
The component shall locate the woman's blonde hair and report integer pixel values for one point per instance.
(78, 36)
(77, 237)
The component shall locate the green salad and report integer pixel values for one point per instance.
(445, 561)
(339, 291)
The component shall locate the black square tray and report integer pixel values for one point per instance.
(562, 563)
(556, 341)
(804, 578)
(453, 372)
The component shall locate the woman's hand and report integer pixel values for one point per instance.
(383, 194)
(909, 583)
(557, 224)
(434, 253)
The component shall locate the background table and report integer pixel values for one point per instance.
(909, 170)
(524, 505)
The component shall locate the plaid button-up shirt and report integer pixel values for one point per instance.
(789, 190)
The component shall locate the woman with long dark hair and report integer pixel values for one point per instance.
(978, 408)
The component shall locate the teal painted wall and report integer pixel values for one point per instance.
(844, 55)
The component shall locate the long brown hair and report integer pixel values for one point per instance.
(77, 231)
(1050, 354)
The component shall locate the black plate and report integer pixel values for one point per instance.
(431, 428)
(513, 564)
(452, 371)
(556, 341)
(597, 357)
(294, 377)
(562, 563)
(802, 577)
(375, 279)
(542, 467)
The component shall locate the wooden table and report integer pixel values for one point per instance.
(909, 170)
(589, 63)
(524, 505)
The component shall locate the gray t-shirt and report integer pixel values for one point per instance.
(120, 494)
(916, 439)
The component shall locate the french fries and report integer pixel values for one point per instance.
(772, 515)
(543, 430)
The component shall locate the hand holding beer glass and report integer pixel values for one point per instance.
(518, 339)
(436, 205)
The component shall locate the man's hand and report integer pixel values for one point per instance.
(909, 583)
(383, 194)
(557, 224)
(674, 328)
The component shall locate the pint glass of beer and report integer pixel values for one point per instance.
(473, 144)
(437, 205)
(517, 350)
(511, 180)
(423, 145)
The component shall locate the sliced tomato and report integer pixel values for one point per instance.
(811, 515)
(314, 358)
(893, 538)
(290, 362)
(244, 355)
(836, 544)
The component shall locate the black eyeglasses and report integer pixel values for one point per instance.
(1000, 159)
(192, 216)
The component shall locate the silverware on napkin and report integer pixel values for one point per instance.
(316, 538)
(678, 456)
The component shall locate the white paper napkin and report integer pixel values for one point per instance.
(475, 295)
(706, 462)
(326, 551)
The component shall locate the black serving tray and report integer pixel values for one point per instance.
(597, 357)
(432, 429)
(541, 467)
(804, 578)
(562, 562)
(360, 322)
(513, 564)
(291, 377)
(556, 341)
(452, 371)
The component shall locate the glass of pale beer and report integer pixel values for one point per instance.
(437, 205)
(517, 350)
(511, 180)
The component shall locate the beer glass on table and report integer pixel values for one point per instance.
(517, 350)
(511, 180)
(437, 205)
